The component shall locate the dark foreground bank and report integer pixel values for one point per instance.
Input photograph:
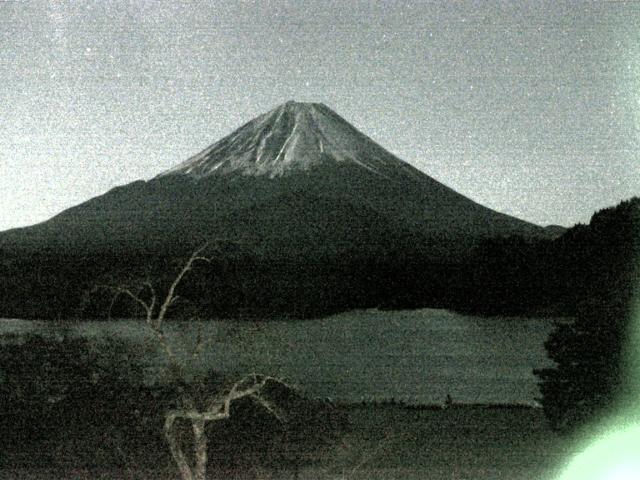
(383, 442)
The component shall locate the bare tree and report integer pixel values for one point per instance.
(197, 412)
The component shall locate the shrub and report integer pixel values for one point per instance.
(64, 400)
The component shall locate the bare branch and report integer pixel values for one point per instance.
(125, 291)
(169, 299)
(174, 363)
(154, 298)
(113, 301)
(201, 341)
(253, 390)
(193, 414)
(269, 407)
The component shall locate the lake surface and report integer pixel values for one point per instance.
(418, 356)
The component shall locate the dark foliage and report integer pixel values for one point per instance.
(589, 351)
(588, 380)
(253, 438)
(588, 264)
(50, 285)
(494, 276)
(62, 400)
(66, 402)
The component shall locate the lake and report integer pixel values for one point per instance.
(417, 356)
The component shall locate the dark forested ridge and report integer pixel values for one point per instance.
(593, 353)
(506, 275)
(587, 265)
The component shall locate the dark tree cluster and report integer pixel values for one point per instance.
(590, 351)
(68, 403)
(63, 402)
(589, 379)
(54, 284)
(588, 264)
(498, 276)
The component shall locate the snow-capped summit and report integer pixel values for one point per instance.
(302, 180)
(293, 136)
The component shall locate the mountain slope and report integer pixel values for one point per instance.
(297, 186)
(302, 149)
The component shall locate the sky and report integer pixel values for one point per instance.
(531, 108)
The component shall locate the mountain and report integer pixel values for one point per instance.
(555, 231)
(298, 170)
(298, 189)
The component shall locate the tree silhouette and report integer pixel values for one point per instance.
(589, 351)
(200, 406)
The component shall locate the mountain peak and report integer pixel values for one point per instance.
(294, 107)
(299, 105)
(295, 136)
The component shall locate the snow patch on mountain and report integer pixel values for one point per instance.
(292, 137)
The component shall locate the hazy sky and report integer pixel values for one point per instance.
(531, 108)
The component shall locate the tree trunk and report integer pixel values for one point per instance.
(199, 469)
(176, 450)
(200, 449)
